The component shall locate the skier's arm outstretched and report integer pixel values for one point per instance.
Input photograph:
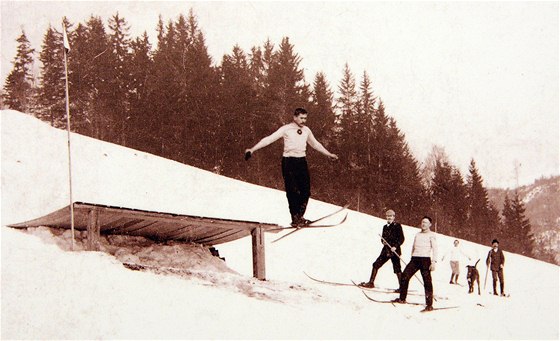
(265, 141)
(312, 141)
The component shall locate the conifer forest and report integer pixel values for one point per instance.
(172, 99)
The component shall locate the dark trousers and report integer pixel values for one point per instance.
(297, 183)
(498, 275)
(422, 264)
(383, 258)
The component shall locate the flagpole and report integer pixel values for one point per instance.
(66, 48)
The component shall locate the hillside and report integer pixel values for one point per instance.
(50, 292)
(542, 204)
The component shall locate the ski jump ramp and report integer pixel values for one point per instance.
(99, 219)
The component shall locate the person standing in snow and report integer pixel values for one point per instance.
(295, 171)
(424, 258)
(455, 255)
(392, 239)
(496, 261)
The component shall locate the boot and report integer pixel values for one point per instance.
(451, 280)
(371, 279)
(456, 279)
(399, 276)
(428, 308)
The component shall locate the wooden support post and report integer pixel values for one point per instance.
(257, 235)
(93, 230)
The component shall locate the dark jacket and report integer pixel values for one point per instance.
(495, 259)
(393, 234)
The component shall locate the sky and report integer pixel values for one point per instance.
(479, 79)
(52, 293)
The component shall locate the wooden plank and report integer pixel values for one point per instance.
(133, 230)
(125, 212)
(225, 239)
(177, 233)
(120, 224)
(259, 270)
(93, 230)
(189, 234)
(207, 239)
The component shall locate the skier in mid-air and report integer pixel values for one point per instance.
(295, 171)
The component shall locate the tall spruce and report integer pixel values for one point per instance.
(350, 149)
(286, 79)
(237, 104)
(322, 124)
(482, 221)
(164, 95)
(142, 121)
(405, 193)
(516, 235)
(51, 94)
(120, 63)
(202, 91)
(98, 73)
(366, 113)
(80, 70)
(448, 199)
(19, 85)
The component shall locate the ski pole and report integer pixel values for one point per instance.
(402, 260)
(486, 277)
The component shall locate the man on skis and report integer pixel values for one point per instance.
(424, 258)
(392, 238)
(495, 261)
(295, 171)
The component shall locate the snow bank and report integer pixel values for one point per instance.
(183, 292)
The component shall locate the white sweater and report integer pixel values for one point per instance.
(425, 245)
(455, 254)
(294, 143)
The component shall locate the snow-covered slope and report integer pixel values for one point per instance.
(49, 292)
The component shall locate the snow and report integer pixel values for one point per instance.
(51, 292)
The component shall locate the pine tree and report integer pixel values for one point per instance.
(458, 204)
(164, 95)
(350, 149)
(120, 63)
(19, 87)
(482, 221)
(287, 81)
(322, 124)
(516, 236)
(405, 192)
(322, 108)
(448, 198)
(366, 112)
(238, 100)
(80, 81)
(51, 94)
(98, 73)
(142, 121)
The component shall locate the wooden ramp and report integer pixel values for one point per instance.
(99, 219)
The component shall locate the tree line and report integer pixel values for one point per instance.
(173, 100)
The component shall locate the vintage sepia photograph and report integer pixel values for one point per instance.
(294, 170)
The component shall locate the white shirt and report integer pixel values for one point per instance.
(455, 254)
(296, 139)
(425, 245)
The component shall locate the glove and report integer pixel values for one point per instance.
(433, 266)
(248, 155)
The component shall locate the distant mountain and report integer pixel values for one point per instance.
(542, 207)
